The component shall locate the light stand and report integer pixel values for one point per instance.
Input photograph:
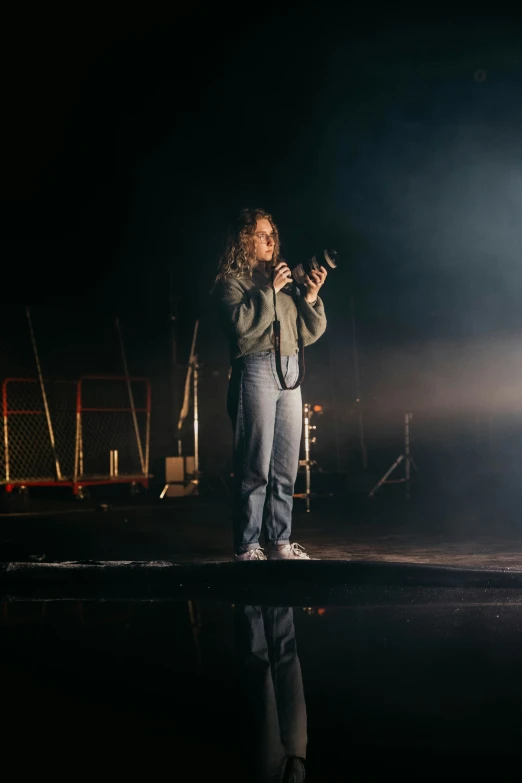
(306, 463)
(357, 406)
(195, 405)
(185, 467)
(408, 462)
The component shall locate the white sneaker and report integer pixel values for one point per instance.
(286, 552)
(252, 554)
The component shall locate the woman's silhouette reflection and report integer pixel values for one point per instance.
(272, 688)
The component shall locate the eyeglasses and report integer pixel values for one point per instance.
(263, 237)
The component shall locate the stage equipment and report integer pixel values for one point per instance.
(307, 463)
(190, 477)
(405, 457)
(357, 402)
(177, 483)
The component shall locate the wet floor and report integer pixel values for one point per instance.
(422, 683)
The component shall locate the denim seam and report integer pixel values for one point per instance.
(241, 440)
(272, 474)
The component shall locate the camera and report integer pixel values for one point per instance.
(328, 259)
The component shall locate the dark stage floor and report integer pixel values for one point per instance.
(398, 652)
(468, 530)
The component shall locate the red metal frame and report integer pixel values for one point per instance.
(75, 482)
(6, 412)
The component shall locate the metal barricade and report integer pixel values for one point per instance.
(112, 430)
(75, 433)
(37, 444)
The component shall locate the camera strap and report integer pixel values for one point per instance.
(300, 355)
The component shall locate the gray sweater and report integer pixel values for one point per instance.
(246, 310)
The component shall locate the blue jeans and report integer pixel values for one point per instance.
(267, 423)
(273, 714)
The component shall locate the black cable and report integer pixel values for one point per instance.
(277, 345)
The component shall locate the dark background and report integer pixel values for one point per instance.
(131, 139)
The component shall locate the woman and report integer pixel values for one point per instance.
(266, 419)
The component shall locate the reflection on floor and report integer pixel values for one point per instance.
(192, 689)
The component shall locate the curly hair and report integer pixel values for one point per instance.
(237, 258)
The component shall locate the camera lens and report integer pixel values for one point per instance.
(332, 258)
(326, 258)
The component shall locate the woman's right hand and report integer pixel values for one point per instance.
(281, 276)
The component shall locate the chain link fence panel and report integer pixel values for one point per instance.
(27, 453)
(114, 416)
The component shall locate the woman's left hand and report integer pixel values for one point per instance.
(314, 281)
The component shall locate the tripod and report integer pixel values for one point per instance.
(408, 462)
